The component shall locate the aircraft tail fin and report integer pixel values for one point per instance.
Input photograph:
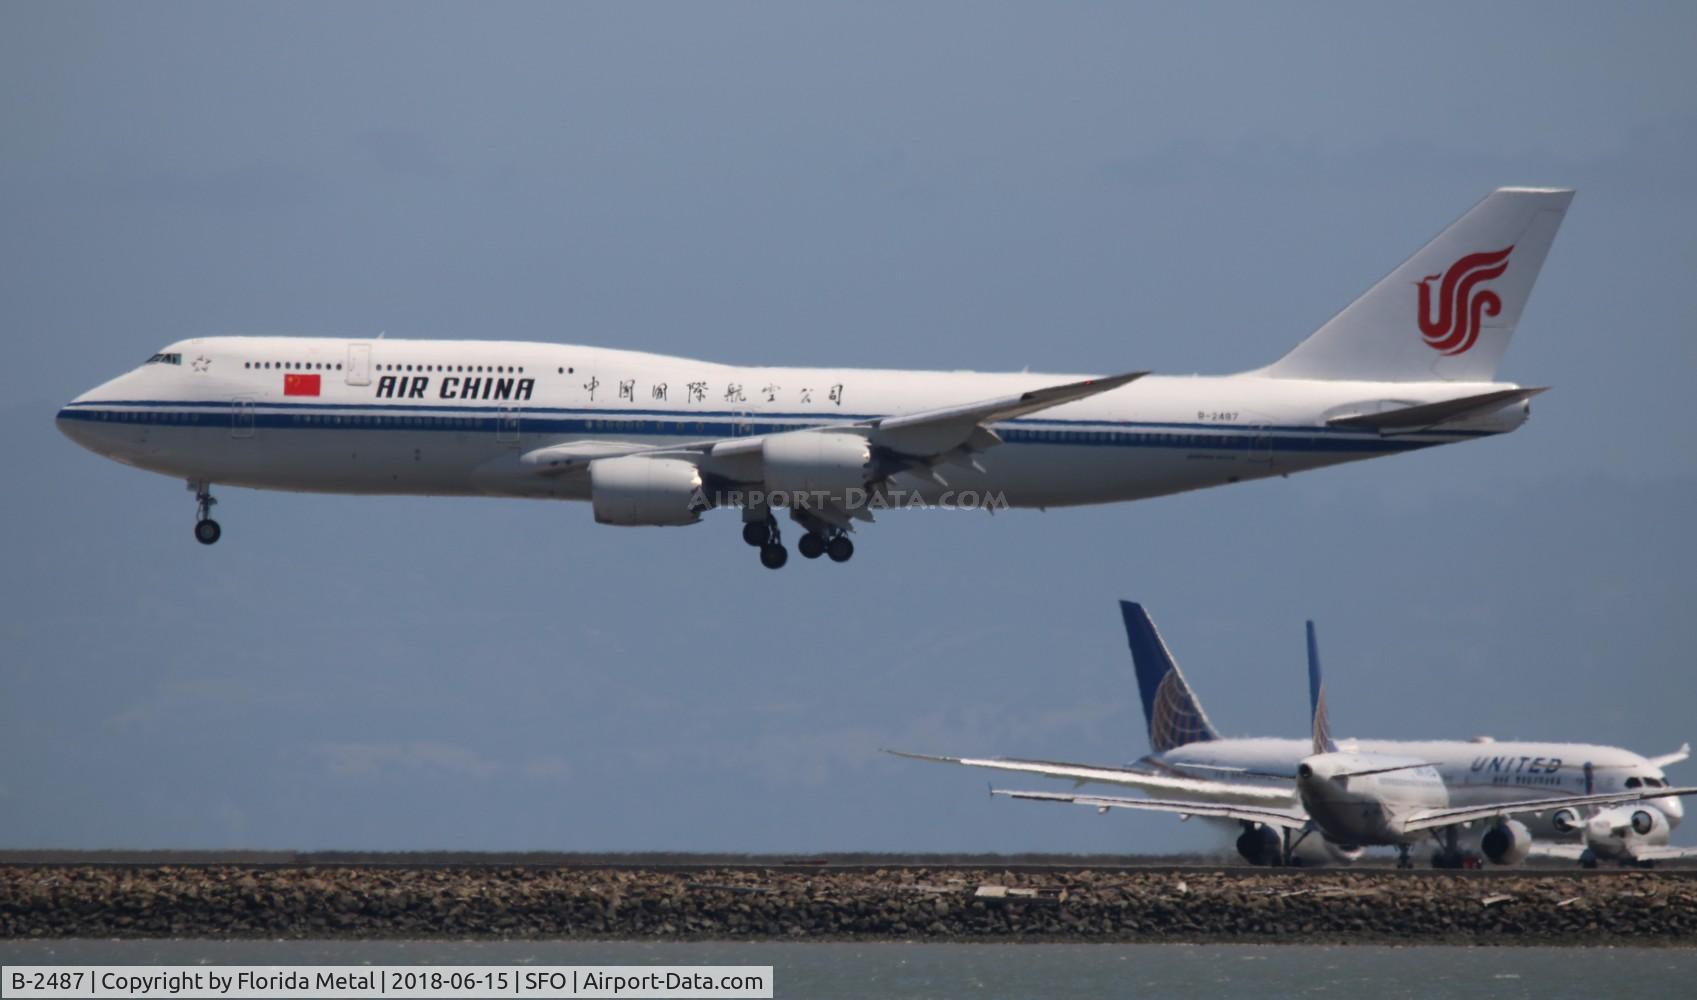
(1320, 719)
(1174, 715)
(1447, 313)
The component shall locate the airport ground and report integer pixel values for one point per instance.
(843, 897)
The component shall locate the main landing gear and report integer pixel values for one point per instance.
(206, 530)
(838, 546)
(763, 534)
(819, 539)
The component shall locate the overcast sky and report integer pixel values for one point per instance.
(1061, 187)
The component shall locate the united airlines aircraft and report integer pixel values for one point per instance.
(654, 440)
(1189, 759)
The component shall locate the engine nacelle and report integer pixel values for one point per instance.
(1260, 845)
(1644, 821)
(813, 465)
(636, 491)
(1507, 843)
(1565, 821)
(1316, 851)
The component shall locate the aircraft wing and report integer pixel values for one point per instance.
(1289, 819)
(1204, 789)
(936, 432)
(1665, 852)
(1545, 849)
(1426, 819)
(926, 438)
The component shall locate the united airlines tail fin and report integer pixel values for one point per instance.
(1448, 312)
(1174, 715)
(1321, 722)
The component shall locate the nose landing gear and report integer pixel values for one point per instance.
(206, 530)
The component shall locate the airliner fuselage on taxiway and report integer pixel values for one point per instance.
(657, 440)
(1190, 760)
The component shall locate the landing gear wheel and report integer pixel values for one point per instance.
(756, 533)
(811, 546)
(840, 549)
(206, 531)
(774, 556)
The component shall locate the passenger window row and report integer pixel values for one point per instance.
(294, 366)
(497, 369)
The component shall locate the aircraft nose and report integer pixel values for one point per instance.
(74, 420)
(1673, 808)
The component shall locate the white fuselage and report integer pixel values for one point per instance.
(457, 417)
(1468, 772)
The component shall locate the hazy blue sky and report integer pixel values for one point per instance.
(1064, 187)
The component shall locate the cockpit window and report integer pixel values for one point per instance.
(1653, 782)
(165, 359)
(1633, 782)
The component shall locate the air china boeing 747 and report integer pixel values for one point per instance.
(655, 440)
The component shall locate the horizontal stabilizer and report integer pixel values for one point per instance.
(1425, 415)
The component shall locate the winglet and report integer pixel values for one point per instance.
(1321, 722)
(1683, 753)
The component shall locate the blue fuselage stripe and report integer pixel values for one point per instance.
(222, 415)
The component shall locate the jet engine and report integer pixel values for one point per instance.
(1263, 845)
(1644, 821)
(1507, 843)
(1316, 851)
(633, 490)
(1260, 845)
(1565, 821)
(816, 462)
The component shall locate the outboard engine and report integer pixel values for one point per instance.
(1643, 823)
(1566, 821)
(1507, 843)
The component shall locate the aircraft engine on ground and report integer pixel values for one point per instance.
(1507, 843)
(632, 490)
(1565, 821)
(1260, 845)
(1316, 851)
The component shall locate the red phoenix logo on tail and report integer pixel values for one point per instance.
(1460, 307)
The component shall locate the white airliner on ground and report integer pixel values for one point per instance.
(1634, 835)
(1189, 759)
(654, 440)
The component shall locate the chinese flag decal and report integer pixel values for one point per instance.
(301, 385)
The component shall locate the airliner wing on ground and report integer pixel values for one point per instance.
(1428, 819)
(1215, 791)
(1284, 819)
